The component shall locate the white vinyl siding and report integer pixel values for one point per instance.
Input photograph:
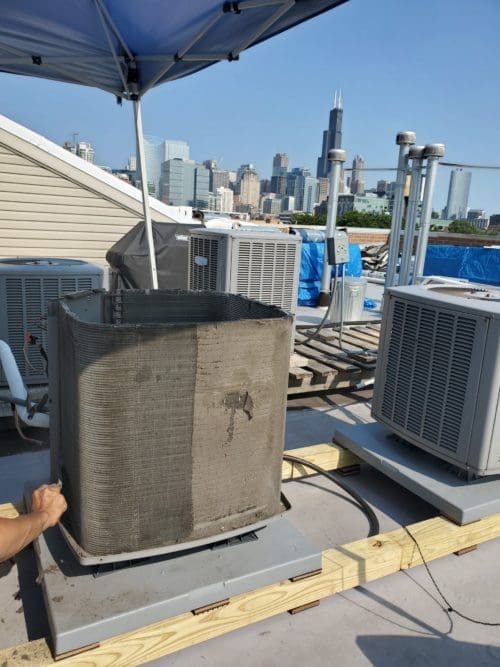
(51, 208)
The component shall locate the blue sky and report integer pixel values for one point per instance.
(432, 66)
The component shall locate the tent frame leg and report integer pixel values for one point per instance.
(145, 192)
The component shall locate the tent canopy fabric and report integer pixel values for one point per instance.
(127, 47)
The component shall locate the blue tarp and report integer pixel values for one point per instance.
(479, 265)
(311, 269)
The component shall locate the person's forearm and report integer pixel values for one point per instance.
(17, 533)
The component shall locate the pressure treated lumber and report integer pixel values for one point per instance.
(327, 456)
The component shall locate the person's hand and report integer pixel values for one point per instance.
(49, 501)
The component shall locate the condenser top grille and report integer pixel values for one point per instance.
(430, 405)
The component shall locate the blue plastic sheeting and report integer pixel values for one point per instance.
(479, 265)
(311, 269)
(309, 235)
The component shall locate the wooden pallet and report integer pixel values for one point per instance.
(343, 568)
(324, 364)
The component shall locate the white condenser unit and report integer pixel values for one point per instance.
(259, 265)
(26, 287)
(437, 382)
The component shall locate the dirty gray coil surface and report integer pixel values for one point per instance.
(171, 421)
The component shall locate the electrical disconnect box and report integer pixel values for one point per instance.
(338, 248)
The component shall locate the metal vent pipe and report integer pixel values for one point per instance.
(416, 155)
(336, 156)
(404, 141)
(432, 152)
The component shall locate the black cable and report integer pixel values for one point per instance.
(449, 607)
(362, 504)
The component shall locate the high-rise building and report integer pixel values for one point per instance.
(323, 189)
(357, 176)
(305, 189)
(265, 186)
(219, 179)
(226, 199)
(474, 213)
(83, 149)
(271, 205)
(278, 177)
(158, 151)
(177, 182)
(201, 186)
(332, 137)
(184, 183)
(248, 185)
(494, 221)
(458, 195)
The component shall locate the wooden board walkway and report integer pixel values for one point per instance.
(325, 363)
(343, 567)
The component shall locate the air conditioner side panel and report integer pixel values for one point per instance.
(422, 395)
(485, 437)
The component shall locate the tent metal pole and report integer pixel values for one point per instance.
(145, 192)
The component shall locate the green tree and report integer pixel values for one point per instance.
(308, 219)
(434, 215)
(463, 227)
(358, 219)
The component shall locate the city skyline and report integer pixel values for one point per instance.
(236, 111)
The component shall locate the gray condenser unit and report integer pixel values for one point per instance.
(167, 417)
(437, 383)
(26, 287)
(260, 265)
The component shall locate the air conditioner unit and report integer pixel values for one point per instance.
(437, 382)
(259, 265)
(26, 287)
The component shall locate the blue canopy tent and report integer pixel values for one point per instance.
(126, 47)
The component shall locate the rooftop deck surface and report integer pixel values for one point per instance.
(396, 620)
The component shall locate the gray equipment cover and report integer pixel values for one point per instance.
(168, 413)
(129, 257)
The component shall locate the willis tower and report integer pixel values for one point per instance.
(332, 138)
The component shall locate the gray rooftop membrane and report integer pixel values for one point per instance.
(426, 476)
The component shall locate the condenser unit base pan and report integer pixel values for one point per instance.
(85, 558)
(87, 605)
(425, 475)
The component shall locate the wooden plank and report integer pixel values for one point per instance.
(310, 385)
(328, 359)
(367, 340)
(368, 334)
(326, 455)
(322, 372)
(343, 568)
(328, 349)
(297, 360)
(297, 374)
